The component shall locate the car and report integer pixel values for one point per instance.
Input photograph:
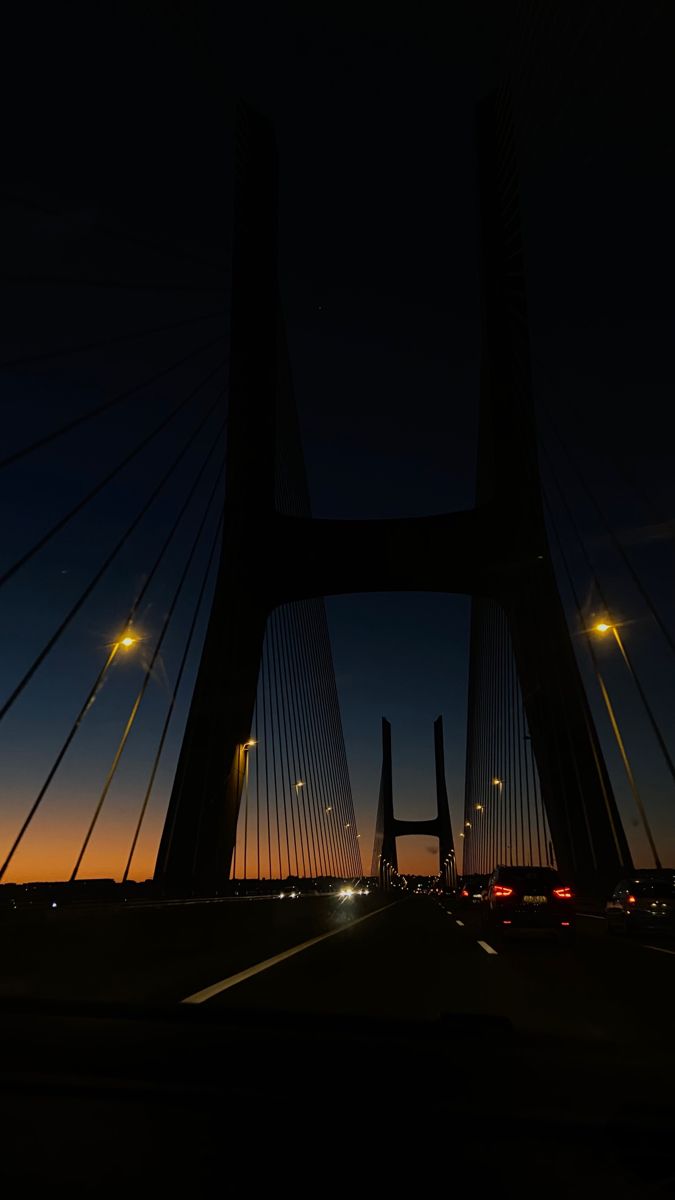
(645, 901)
(534, 898)
(471, 889)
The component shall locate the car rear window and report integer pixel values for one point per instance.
(540, 878)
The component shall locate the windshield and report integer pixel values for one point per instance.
(337, 486)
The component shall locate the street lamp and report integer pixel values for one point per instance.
(604, 627)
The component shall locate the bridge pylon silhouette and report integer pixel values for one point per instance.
(498, 549)
(388, 827)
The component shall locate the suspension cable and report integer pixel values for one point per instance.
(96, 686)
(103, 483)
(146, 680)
(98, 575)
(134, 335)
(16, 455)
(172, 702)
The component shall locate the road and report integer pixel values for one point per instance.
(418, 959)
(315, 1016)
(412, 959)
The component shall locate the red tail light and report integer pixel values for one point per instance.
(464, 892)
(563, 893)
(632, 900)
(499, 891)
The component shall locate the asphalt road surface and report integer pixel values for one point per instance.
(415, 958)
(419, 959)
(289, 1022)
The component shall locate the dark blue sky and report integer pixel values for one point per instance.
(374, 114)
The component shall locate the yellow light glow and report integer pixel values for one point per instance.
(299, 784)
(497, 782)
(127, 641)
(248, 745)
(602, 627)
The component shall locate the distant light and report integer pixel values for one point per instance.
(478, 807)
(299, 783)
(602, 627)
(128, 641)
(53, 903)
(329, 809)
(250, 743)
(497, 782)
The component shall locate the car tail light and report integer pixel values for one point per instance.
(564, 923)
(507, 922)
(563, 893)
(499, 891)
(632, 900)
(464, 892)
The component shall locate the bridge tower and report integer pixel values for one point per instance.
(388, 827)
(497, 550)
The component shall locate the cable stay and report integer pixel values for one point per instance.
(602, 516)
(133, 335)
(101, 677)
(146, 680)
(98, 575)
(639, 804)
(625, 653)
(95, 491)
(48, 438)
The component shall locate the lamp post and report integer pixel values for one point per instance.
(603, 627)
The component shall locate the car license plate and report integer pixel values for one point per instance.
(534, 899)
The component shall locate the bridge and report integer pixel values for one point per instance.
(199, 616)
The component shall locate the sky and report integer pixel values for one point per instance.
(374, 111)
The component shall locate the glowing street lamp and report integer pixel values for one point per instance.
(604, 627)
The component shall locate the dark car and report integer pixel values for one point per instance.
(643, 902)
(529, 898)
(471, 889)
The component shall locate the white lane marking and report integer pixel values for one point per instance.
(232, 980)
(460, 923)
(590, 917)
(487, 948)
(662, 949)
